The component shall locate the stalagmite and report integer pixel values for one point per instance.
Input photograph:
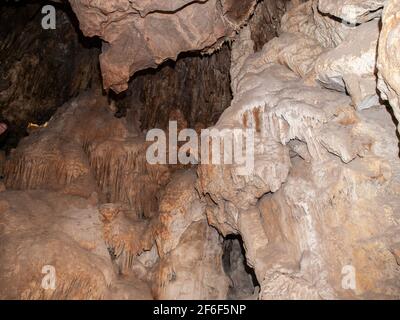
(69, 156)
(190, 250)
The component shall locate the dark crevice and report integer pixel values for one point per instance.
(394, 119)
(51, 66)
(243, 279)
(195, 85)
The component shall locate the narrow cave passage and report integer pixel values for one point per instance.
(243, 280)
(41, 69)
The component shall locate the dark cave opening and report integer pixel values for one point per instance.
(41, 69)
(244, 283)
(196, 86)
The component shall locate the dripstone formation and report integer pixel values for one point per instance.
(316, 81)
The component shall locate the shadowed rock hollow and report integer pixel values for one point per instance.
(316, 82)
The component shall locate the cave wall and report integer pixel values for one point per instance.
(323, 197)
(266, 19)
(324, 194)
(136, 37)
(41, 69)
(197, 86)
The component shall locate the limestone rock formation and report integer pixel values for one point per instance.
(388, 59)
(309, 209)
(243, 284)
(311, 219)
(306, 18)
(352, 11)
(86, 151)
(85, 187)
(266, 20)
(351, 66)
(142, 35)
(190, 250)
(36, 227)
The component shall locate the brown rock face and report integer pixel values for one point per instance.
(316, 216)
(69, 156)
(388, 59)
(142, 35)
(266, 20)
(198, 86)
(190, 250)
(38, 226)
(91, 193)
(41, 69)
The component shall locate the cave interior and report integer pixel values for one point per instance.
(83, 84)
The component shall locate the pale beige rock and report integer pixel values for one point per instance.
(333, 207)
(294, 50)
(388, 57)
(307, 19)
(42, 229)
(127, 238)
(351, 66)
(242, 47)
(254, 238)
(336, 205)
(190, 250)
(319, 211)
(352, 11)
(86, 150)
(271, 100)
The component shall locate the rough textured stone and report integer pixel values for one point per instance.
(352, 66)
(69, 156)
(36, 227)
(139, 35)
(335, 204)
(190, 250)
(307, 19)
(41, 69)
(318, 216)
(352, 11)
(198, 86)
(388, 58)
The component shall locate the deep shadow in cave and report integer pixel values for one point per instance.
(196, 86)
(41, 69)
(244, 283)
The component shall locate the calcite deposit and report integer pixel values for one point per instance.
(139, 35)
(388, 58)
(316, 210)
(84, 215)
